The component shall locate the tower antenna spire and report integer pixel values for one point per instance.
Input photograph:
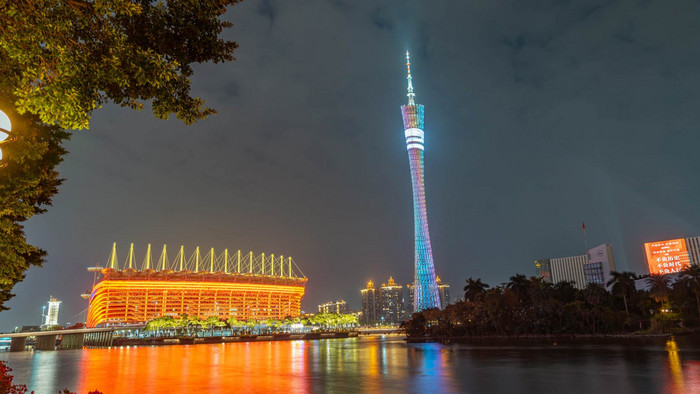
(410, 94)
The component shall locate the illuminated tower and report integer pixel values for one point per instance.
(52, 316)
(426, 290)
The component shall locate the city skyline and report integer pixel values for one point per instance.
(540, 116)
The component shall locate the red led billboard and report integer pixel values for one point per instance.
(667, 257)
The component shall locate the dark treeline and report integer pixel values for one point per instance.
(530, 306)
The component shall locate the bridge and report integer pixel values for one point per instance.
(70, 339)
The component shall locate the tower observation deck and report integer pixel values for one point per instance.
(426, 293)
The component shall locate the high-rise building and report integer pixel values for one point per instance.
(52, 314)
(392, 302)
(444, 291)
(408, 305)
(601, 262)
(426, 290)
(693, 244)
(673, 255)
(339, 307)
(371, 305)
(593, 267)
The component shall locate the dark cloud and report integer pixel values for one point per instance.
(381, 19)
(265, 9)
(538, 114)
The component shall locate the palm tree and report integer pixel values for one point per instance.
(565, 291)
(594, 294)
(622, 284)
(474, 289)
(540, 291)
(658, 287)
(692, 277)
(519, 284)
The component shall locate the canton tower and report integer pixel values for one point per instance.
(425, 291)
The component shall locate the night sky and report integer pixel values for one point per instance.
(539, 114)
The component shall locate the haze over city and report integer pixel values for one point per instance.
(538, 116)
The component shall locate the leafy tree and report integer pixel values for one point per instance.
(565, 291)
(659, 288)
(623, 285)
(27, 186)
(474, 289)
(691, 277)
(63, 59)
(60, 60)
(519, 285)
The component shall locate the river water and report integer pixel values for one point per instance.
(366, 364)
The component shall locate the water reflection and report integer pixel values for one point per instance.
(367, 364)
(674, 362)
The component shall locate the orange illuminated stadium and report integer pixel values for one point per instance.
(242, 286)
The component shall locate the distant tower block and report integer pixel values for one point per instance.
(52, 315)
(426, 293)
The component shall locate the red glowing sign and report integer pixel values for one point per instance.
(667, 257)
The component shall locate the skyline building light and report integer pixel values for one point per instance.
(371, 305)
(592, 267)
(52, 314)
(673, 255)
(391, 302)
(444, 291)
(426, 294)
(338, 307)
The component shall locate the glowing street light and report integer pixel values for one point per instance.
(5, 136)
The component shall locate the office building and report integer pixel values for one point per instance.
(593, 267)
(371, 305)
(444, 291)
(392, 303)
(339, 307)
(673, 255)
(52, 313)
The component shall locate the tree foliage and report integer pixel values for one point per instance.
(531, 306)
(27, 186)
(63, 59)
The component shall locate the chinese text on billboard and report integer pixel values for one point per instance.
(666, 257)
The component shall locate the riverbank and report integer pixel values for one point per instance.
(164, 341)
(608, 339)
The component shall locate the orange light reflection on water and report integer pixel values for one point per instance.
(235, 367)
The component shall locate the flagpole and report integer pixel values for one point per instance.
(585, 239)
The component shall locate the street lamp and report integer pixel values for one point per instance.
(5, 135)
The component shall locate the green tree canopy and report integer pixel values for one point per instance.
(27, 186)
(63, 59)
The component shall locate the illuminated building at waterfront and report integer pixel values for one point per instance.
(392, 302)
(51, 318)
(444, 291)
(673, 255)
(593, 267)
(408, 304)
(371, 305)
(240, 285)
(426, 290)
(334, 307)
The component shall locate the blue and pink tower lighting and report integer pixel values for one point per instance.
(425, 291)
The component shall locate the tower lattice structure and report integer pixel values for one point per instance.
(426, 293)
